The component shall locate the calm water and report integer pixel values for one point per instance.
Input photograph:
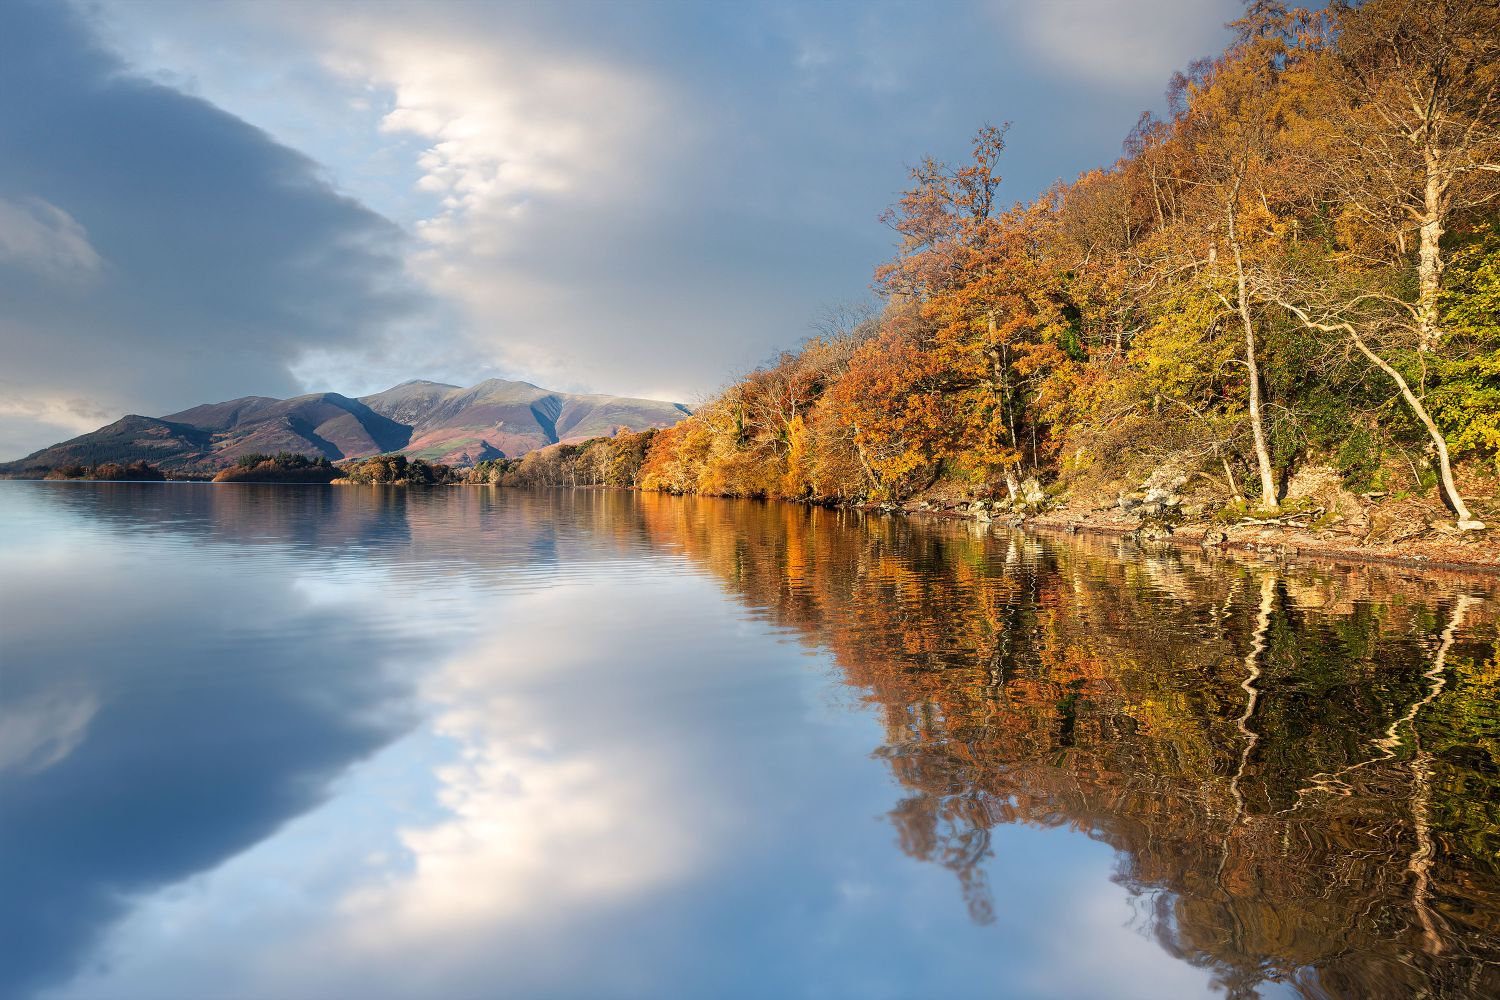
(282, 742)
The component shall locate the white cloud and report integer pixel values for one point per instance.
(1130, 43)
(535, 825)
(39, 236)
(27, 417)
(640, 199)
(530, 152)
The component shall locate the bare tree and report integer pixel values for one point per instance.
(1415, 128)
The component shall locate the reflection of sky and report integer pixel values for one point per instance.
(264, 770)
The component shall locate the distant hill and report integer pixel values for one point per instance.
(429, 420)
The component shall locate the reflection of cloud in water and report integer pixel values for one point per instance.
(546, 809)
(633, 778)
(487, 843)
(39, 731)
(151, 728)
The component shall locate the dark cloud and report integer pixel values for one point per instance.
(643, 199)
(156, 251)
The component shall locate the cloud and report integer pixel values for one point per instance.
(213, 257)
(39, 732)
(1133, 44)
(585, 189)
(545, 813)
(41, 237)
(639, 199)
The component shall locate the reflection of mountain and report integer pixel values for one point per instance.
(428, 420)
(1246, 739)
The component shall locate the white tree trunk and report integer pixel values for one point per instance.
(1466, 520)
(1430, 253)
(1268, 498)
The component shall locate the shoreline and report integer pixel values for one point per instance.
(1263, 541)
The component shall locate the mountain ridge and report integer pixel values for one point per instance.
(420, 418)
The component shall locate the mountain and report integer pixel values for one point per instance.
(430, 420)
(512, 418)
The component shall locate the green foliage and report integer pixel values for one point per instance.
(397, 469)
(1358, 458)
(109, 472)
(1466, 399)
(282, 460)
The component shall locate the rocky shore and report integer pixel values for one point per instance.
(1317, 518)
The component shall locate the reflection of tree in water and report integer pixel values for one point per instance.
(1297, 767)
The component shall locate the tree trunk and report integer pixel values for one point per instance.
(1234, 487)
(1268, 498)
(1429, 254)
(1466, 520)
(864, 462)
(997, 377)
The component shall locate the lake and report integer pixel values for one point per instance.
(309, 742)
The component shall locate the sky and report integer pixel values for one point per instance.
(201, 201)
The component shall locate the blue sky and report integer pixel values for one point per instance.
(210, 200)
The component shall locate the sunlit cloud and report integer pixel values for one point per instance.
(156, 251)
(624, 198)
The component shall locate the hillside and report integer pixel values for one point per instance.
(429, 420)
(496, 418)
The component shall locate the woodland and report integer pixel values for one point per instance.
(1297, 266)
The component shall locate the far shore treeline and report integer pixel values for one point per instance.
(1296, 269)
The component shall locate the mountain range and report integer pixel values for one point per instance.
(430, 420)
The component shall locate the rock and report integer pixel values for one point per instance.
(1383, 526)
(1162, 497)
(1152, 532)
(1162, 486)
(1215, 538)
(1321, 486)
(1128, 502)
(1032, 493)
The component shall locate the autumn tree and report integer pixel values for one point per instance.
(1409, 138)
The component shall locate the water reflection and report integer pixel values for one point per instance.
(1298, 767)
(316, 742)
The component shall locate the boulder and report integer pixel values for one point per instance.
(1321, 486)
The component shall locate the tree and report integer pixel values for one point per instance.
(1232, 122)
(1414, 127)
(1409, 137)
